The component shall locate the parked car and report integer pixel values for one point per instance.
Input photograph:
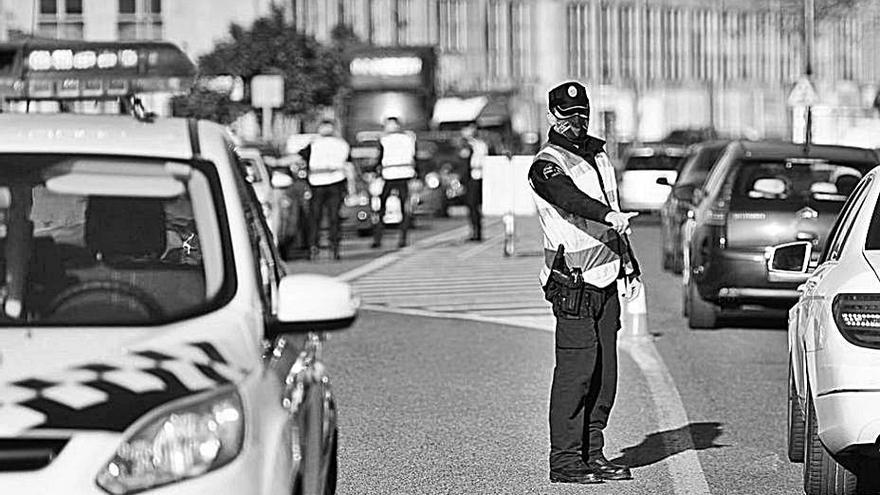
(834, 349)
(643, 166)
(694, 168)
(268, 187)
(760, 194)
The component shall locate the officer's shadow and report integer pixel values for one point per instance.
(662, 444)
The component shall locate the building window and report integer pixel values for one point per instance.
(61, 19)
(140, 19)
(576, 40)
(452, 25)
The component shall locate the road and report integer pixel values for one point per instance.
(443, 382)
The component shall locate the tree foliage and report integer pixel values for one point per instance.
(313, 72)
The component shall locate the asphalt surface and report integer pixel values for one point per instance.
(449, 406)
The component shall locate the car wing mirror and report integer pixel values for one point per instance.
(313, 303)
(663, 181)
(789, 262)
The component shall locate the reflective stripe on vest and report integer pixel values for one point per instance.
(593, 246)
(327, 160)
(479, 152)
(398, 156)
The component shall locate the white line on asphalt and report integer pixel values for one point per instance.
(479, 248)
(383, 261)
(684, 467)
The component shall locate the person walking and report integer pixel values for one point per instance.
(588, 258)
(397, 165)
(329, 172)
(474, 150)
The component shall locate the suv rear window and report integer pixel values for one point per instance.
(653, 162)
(796, 180)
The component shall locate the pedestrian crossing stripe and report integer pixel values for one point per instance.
(440, 280)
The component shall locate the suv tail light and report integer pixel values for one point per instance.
(858, 318)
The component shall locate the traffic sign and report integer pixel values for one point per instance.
(267, 91)
(803, 94)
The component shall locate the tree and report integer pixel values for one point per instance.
(313, 72)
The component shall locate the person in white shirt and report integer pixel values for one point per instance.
(474, 151)
(329, 171)
(397, 165)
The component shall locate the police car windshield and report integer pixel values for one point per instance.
(106, 241)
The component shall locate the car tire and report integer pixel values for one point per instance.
(796, 422)
(822, 474)
(700, 313)
(333, 467)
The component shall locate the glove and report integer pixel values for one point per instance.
(620, 221)
(632, 289)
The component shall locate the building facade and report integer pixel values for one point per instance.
(651, 65)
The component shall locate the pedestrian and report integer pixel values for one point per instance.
(397, 165)
(330, 175)
(587, 251)
(474, 150)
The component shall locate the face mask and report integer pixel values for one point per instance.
(572, 128)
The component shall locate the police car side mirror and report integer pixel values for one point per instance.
(280, 180)
(663, 181)
(789, 262)
(312, 303)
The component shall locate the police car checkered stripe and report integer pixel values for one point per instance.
(112, 394)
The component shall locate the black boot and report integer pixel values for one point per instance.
(579, 474)
(607, 470)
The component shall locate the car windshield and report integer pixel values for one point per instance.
(698, 165)
(106, 241)
(653, 162)
(796, 179)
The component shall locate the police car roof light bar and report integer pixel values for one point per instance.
(40, 69)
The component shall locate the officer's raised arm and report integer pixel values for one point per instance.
(555, 187)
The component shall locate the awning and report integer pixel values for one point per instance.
(455, 109)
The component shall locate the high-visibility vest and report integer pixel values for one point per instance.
(479, 152)
(594, 247)
(398, 155)
(327, 160)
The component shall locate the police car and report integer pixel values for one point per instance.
(151, 339)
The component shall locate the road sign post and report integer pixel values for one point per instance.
(267, 92)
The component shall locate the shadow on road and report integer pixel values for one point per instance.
(660, 445)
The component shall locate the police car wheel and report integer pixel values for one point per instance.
(823, 475)
(701, 314)
(796, 422)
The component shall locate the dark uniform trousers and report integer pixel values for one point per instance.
(584, 383)
(325, 200)
(402, 188)
(474, 198)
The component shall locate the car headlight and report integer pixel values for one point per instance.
(187, 440)
(432, 180)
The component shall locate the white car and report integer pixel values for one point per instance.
(151, 340)
(267, 186)
(647, 174)
(834, 348)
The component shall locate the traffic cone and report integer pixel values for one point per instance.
(634, 316)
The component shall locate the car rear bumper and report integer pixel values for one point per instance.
(741, 277)
(848, 418)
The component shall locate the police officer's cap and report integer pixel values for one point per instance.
(569, 99)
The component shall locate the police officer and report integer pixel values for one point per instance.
(329, 170)
(397, 165)
(575, 190)
(474, 150)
